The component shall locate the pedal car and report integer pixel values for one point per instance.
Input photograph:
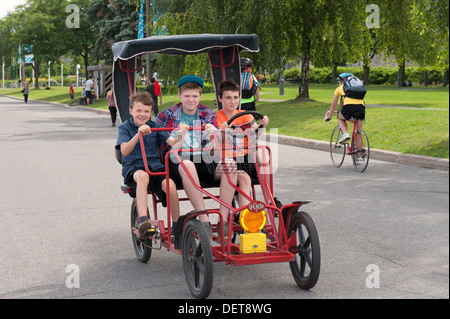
(263, 231)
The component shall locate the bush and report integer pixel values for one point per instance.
(417, 75)
(377, 75)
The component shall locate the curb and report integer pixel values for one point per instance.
(381, 155)
(387, 156)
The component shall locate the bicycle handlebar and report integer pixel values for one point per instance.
(327, 117)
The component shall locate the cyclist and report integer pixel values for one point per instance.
(351, 108)
(250, 86)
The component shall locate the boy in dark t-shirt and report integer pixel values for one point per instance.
(133, 170)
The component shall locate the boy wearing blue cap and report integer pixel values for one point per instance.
(189, 111)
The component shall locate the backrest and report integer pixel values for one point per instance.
(118, 154)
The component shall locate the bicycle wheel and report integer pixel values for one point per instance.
(306, 266)
(361, 151)
(337, 150)
(142, 248)
(197, 259)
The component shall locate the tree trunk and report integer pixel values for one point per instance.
(445, 80)
(366, 68)
(303, 91)
(36, 66)
(402, 73)
(86, 64)
(334, 74)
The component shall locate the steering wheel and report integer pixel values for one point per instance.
(256, 117)
(242, 127)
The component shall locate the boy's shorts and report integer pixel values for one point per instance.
(357, 111)
(246, 164)
(154, 185)
(205, 172)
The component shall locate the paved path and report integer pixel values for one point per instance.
(61, 209)
(389, 156)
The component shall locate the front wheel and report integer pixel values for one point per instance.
(197, 259)
(337, 150)
(305, 244)
(360, 151)
(142, 248)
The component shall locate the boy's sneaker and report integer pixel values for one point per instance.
(146, 230)
(225, 230)
(277, 202)
(345, 138)
(208, 229)
(358, 161)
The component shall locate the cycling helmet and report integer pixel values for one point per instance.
(246, 62)
(344, 75)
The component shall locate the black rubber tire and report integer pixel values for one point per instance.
(197, 259)
(363, 152)
(141, 248)
(306, 266)
(337, 150)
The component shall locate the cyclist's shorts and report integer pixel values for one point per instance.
(357, 111)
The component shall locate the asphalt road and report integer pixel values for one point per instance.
(383, 233)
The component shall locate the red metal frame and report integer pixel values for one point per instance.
(128, 71)
(222, 64)
(279, 246)
(349, 145)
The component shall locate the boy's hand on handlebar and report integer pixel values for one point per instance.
(264, 121)
(225, 127)
(144, 129)
(183, 128)
(209, 128)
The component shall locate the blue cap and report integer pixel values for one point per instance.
(191, 78)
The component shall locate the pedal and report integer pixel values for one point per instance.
(150, 232)
(147, 231)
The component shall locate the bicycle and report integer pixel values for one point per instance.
(358, 148)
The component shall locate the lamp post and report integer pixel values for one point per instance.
(62, 71)
(3, 72)
(78, 72)
(281, 80)
(49, 74)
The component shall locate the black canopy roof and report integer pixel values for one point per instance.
(223, 51)
(184, 44)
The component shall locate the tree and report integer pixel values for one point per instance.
(81, 39)
(111, 21)
(38, 26)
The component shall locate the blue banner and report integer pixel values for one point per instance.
(141, 21)
(28, 57)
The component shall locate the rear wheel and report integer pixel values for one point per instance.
(360, 151)
(142, 248)
(306, 266)
(197, 259)
(337, 150)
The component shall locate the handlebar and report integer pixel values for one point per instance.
(327, 117)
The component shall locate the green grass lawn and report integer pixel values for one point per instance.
(411, 131)
(430, 97)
